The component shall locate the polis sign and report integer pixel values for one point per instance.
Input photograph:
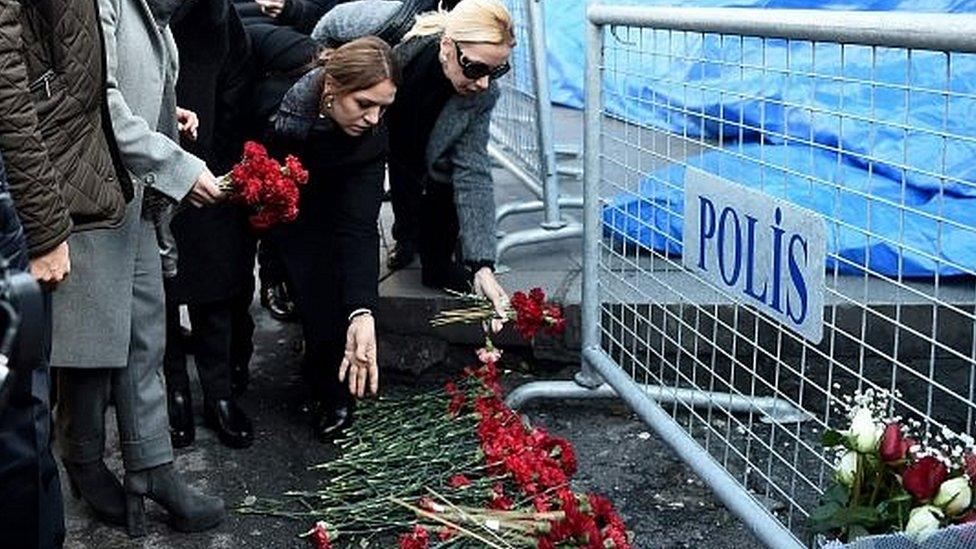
(758, 249)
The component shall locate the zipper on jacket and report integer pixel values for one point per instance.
(43, 82)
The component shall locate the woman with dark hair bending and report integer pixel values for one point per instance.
(331, 119)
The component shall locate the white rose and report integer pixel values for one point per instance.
(923, 522)
(954, 496)
(847, 468)
(864, 433)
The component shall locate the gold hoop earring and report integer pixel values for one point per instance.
(328, 103)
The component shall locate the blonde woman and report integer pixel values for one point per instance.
(440, 174)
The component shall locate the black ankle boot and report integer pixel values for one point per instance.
(276, 299)
(232, 425)
(189, 509)
(99, 488)
(332, 420)
(182, 431)
(401, 256)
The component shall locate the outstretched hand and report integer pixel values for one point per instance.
(359, 360)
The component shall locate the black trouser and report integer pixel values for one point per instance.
(320, 368)
(309, 251)
(222, 340)
(31, 512)
(425, 217)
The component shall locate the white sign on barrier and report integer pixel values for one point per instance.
(759, 249)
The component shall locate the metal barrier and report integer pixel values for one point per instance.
(522, 136)
(721, 380)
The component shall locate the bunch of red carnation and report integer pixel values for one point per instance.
(264, 185)
(536, 460)
(541, 465)
(589, 518)
(532, 314)
(535, 466)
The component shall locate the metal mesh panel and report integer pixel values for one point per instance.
(515, 127)
(666, 327)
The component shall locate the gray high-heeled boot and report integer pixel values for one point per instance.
(189, 509)
(99, 488)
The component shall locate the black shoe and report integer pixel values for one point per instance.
(332, 421)
(450, 277)
(240, 378)
(401, 256)
(275, 298)
(95, 484)
(232, 425)
(182, 431)
(189, 509)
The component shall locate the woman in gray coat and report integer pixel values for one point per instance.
(440, 177)
(109, 320)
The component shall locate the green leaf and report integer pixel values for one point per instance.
(863, 515)
(824, 512)
(827, 517)
(838, 493)
(833, 438)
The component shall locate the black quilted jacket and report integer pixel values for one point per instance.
(53, 120)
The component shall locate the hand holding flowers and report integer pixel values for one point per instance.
(261, 183)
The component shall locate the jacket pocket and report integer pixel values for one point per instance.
(48, 95)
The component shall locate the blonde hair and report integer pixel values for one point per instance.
(358, 65)
(479, 21)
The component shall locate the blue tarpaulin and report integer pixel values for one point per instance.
(883, 167)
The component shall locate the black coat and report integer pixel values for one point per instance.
(301, 15)
(281, 50)
(331, 251)
(215, 244)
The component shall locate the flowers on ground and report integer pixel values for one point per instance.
(452, 466)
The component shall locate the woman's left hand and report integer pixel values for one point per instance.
(188, 122)
(359, 360)
(485, 284)
(271, 8)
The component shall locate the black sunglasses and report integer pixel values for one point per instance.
(476, 69)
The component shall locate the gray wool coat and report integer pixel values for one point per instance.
(457, 153)
(93, 308)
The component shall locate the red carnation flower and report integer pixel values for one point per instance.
(418, 538)
(318, 536)
(458, 481)
(266, 187)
